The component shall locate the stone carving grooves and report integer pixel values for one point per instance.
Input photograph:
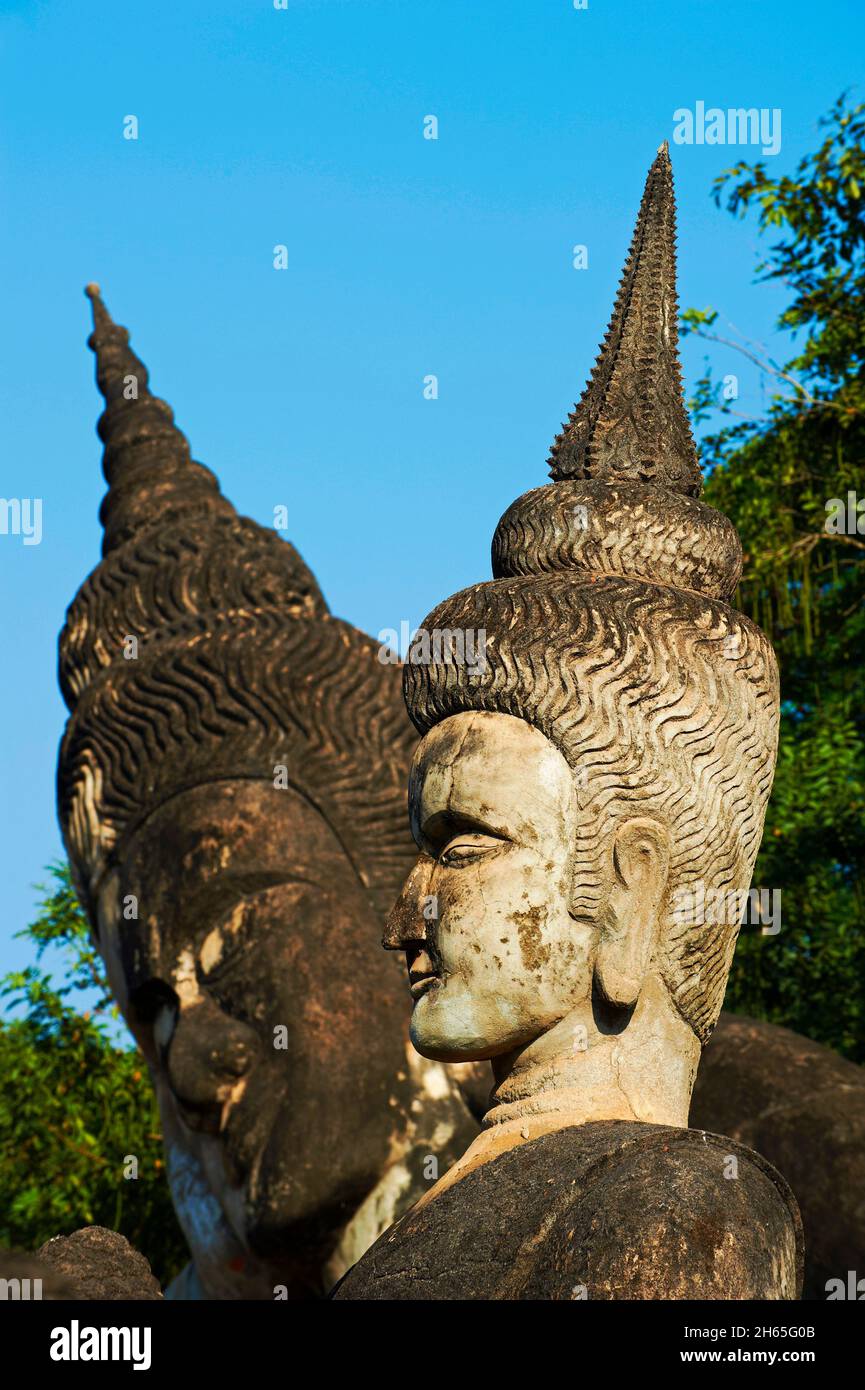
(239, 664)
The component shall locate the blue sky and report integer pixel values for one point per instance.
(406, 257)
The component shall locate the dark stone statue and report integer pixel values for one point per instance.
(611, 1210)
(803, 1107)
(231, 789)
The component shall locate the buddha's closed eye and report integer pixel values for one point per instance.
(469, 848)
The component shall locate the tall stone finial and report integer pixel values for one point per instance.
(631, 424)
(147, 462)
(215, 605)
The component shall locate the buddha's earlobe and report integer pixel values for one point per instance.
(641, 866)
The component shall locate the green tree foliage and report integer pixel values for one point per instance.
(803, 583)
(74, 1106)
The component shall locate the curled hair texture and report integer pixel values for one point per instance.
(626, 529)
(665, 703)
(234, 695)
(167, 573)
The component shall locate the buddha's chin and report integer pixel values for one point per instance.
(290, 1224)
(445, 1026)
(293, 1246)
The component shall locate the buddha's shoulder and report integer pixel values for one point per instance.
(669, 1213)
(612, 1210)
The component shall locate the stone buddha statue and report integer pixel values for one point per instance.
(231, 789)
(568, 803)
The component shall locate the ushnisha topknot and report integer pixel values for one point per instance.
(201, 648)
(626, 477)
(608, 628)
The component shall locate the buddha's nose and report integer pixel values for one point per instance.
(207, 1054)
(406, 922)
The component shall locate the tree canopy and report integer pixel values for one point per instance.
(781, 479)
(80, 1140)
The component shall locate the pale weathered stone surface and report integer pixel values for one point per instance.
(525, 969)
(615, 751)
(231, 789)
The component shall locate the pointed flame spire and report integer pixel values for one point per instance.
(146, 461)
(631, 423)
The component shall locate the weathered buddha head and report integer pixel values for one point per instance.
(232, 795)
(616, 753)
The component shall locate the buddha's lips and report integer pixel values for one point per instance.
(420, 984)
(424, 968)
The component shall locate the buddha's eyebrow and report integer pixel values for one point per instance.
(199, 900)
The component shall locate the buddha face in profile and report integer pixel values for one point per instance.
(493, 811)
(507, 951)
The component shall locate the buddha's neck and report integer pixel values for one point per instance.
(577, 1072)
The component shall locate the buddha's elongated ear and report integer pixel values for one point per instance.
(641, 867)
